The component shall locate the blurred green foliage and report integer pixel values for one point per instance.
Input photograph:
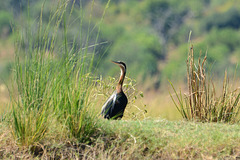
(151, 36)
(5, 23)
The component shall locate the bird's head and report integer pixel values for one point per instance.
(122, 65)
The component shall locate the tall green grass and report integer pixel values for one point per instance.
(54, 80)
(203, 102)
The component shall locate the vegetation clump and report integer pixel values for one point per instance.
(203, 103)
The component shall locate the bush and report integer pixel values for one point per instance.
(230, 19)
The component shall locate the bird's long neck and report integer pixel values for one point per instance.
(121, 79)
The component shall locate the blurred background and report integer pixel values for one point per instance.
(150, 36)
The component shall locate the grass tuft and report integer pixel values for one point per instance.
(53, 79)
(202, 103)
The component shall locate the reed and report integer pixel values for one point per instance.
(202, 103)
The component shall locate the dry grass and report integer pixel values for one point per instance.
(159, 105)
(4, 99)
(202, 102)
(148, 139)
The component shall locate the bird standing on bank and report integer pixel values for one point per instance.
(114, 107)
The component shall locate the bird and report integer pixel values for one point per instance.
(115, 106)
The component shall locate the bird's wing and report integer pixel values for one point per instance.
(109, 103)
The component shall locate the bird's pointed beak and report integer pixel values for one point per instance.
(115, 62)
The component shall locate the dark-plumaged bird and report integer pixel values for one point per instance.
(114, 107)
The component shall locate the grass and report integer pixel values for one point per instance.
(54, 80)
(147, 139)
(55, 112)
(159, 105)
(202, 102)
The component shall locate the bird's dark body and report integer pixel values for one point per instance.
(115, 106)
